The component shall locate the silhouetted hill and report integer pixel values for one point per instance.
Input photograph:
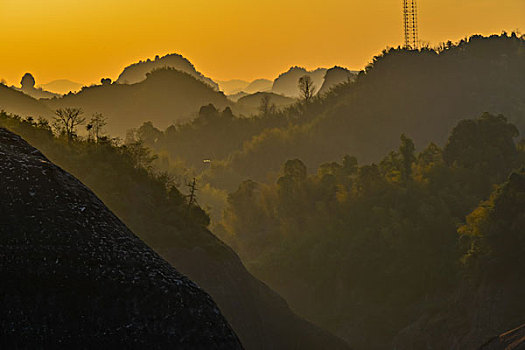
(165, 97)
(136, 72)
(286, 83)
(61, 86)
(335, 76)
(157, 212)
(420, 93)
(237, 96)
(74, 275)
(250, 104)
(28, 88)
(16, 102)
(230, 87)
(259, 85)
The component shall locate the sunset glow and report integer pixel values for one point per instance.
(87, 40)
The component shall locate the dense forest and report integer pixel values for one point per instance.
(364, 250)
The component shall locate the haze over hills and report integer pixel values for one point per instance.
(286, 83)
(422, 94)
(16, 102)
(136, 72)
(165, 103)
(235, 87)
(61, 86)
(251, 104)
(165, 97)
(259, 85)
(231, 87)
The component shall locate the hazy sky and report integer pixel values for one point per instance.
(85, 40)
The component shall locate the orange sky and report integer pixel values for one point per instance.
(85, 40)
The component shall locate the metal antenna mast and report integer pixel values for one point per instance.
(410, 21)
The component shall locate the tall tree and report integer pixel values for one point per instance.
(67, 120)
(95, 126)
(406, 150)
(306, 87)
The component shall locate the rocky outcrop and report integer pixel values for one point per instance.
(137, 72)
(335, 76)
(73, 275)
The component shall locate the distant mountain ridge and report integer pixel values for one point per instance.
(250, 104)
(136, 72)
(165, 97)
(286, 83)
(61, 86)
(234, 86)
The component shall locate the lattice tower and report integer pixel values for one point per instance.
(410, 22)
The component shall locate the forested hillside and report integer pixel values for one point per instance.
(150, 204)
(165, 97)
(367, 250)
(420, 93)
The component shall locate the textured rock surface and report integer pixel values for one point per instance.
(511, 340)
(73, 274)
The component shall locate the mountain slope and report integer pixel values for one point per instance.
(165, 97)
(16, 102)
(333, 77)
(260, 317)
(286, 83)
(137, 72)
(73, 274)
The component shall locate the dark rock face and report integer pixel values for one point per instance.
(73, 275)
(511, 340)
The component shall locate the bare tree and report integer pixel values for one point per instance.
(95, 126)
(192, 197)
(306, 87)
(67, 120)
(265, 107)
